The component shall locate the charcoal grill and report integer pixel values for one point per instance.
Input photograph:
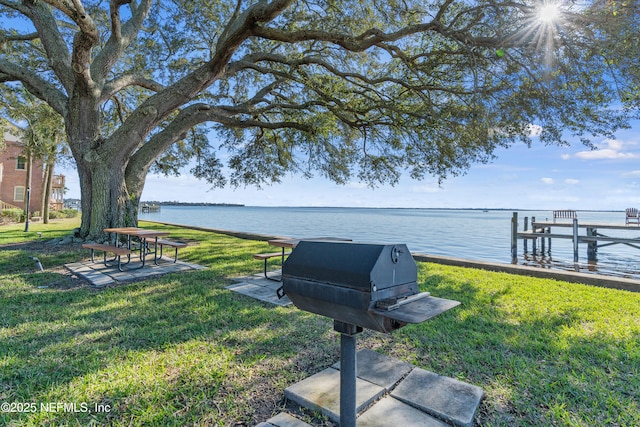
(358, 285)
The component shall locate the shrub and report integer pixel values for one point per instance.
(13, 215)
(70, 213)
(63, 213)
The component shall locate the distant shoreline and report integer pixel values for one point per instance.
(173, 203)
(190, 204)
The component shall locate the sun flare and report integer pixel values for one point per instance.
(549, 12)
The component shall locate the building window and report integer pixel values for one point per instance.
(0, 172)
(18, 194)
(21, 163)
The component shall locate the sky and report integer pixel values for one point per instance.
(539, 178)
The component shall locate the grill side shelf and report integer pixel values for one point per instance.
(419, 310)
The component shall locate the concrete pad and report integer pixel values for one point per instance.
(445, 398)
(379, 369)
(391, 412)
(283, 420)
(258, 287)
(252, 278)
(100, 275)
(321, 392)
(100, 281)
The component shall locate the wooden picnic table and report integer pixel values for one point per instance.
(292, 243)
(142, 234)
(288, 243)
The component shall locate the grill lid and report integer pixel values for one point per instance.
(368, 267)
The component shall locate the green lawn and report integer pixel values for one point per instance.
(181, 350)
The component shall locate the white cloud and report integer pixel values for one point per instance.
(565, 156)
(547, 180)
(610, 149)
(571, 181)
(614, 144)
(534, 130)
(607, 153)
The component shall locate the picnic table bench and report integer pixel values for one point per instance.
(117, 251)
(172, 244)
(267, 257)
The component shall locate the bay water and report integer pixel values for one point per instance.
(473, 234)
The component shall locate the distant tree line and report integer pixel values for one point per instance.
(188, 203)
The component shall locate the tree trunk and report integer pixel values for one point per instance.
(107, 200)
(104, 199)
(47, 192)
(43, 199)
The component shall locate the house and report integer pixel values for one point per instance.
(13, 179)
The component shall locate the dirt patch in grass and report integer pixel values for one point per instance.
(42, 246)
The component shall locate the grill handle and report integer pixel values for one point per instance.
(392, 304)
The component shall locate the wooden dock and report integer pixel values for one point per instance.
(146, 208)
(540, 235)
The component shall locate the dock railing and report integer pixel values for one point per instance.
(594, 239)
(564, 214)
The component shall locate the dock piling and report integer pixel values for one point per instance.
(535, 240)
(526, 228)
(575, 239)
(592, 246)
(514, 236)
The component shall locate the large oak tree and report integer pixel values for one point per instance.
(344, 89)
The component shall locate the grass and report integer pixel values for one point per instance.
(181, 350)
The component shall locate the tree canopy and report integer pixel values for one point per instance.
(344, 89)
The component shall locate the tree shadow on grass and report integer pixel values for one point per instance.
(180, 339)
(22, 258)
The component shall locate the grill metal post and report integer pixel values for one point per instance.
(348, 362)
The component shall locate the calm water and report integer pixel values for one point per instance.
(470, 234)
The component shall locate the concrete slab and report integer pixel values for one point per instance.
(283, 420)
(256, 286)
(321, 392)
(379, 369)
(404, 395)
(100, 275)
(445, 398)
(250, 278)
(391, 412)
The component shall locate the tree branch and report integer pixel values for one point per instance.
(357, 43)
(18, 6)
(116, 85)
(17, 37)
(34, 84)
(159, 106)
(188, 118)
(52, 41)
(121, 37)
(83, 43)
